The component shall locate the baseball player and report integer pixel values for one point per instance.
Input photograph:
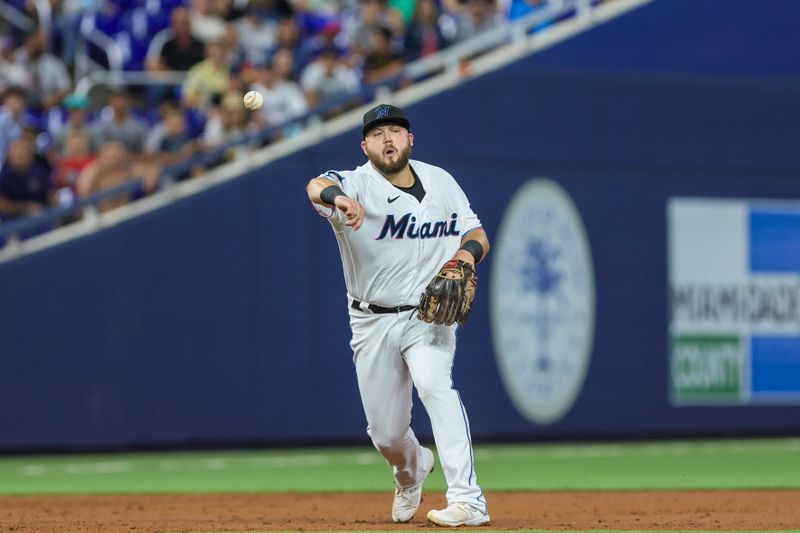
(409, 242)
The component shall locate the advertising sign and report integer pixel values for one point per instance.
(734, 275)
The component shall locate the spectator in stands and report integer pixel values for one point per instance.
(424, 36)
(382, 63)
(40, 141)
(313, 46)
(313, 15)
(329, 78)
(289, 36)
(12, 73)
(258, 31)
(207, 22)
(283, 64)
(234, 54)
(480, 16)
(25, 187)
(174, 50)
(117, 123)
(373, 15)
(208, 78)
(170, 140)
(49, 80)
(226, 124)
(283, 98)
(180, 51)
(76, 106)
(12, 114)
(114, 167)
(76, 156)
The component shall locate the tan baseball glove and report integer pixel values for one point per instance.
(448, 297)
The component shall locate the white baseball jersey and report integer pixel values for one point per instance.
(402, 242)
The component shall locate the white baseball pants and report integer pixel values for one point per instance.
(393, 352)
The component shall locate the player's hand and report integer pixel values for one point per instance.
(465, 256)
(352, 209)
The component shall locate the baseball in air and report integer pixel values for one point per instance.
(253, 100)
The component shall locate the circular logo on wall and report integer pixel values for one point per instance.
(542, 301)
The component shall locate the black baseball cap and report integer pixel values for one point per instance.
(384, 114)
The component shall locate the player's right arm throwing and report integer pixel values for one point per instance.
(323, 191)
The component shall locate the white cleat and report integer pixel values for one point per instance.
(406, 501)
(459, 514)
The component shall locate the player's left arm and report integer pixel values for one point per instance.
(448, 297)
(474, 247)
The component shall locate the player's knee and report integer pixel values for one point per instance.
(429, 385)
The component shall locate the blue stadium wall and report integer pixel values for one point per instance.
(221, 319)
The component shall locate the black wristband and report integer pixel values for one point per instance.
(475, 248)
(329, 194)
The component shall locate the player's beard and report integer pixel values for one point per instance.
(390, 168)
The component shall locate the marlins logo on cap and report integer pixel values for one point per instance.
(384, 114)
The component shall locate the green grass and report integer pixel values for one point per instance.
(744, 464)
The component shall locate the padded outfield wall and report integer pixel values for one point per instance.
(606, 190)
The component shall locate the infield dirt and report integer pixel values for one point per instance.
(766, 510)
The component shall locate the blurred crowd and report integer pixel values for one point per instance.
(57, 146)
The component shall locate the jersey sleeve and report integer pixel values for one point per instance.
(339, 178)
(471, 220)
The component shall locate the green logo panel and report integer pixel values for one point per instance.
(707, 368)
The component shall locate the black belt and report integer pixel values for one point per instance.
(379, 309)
